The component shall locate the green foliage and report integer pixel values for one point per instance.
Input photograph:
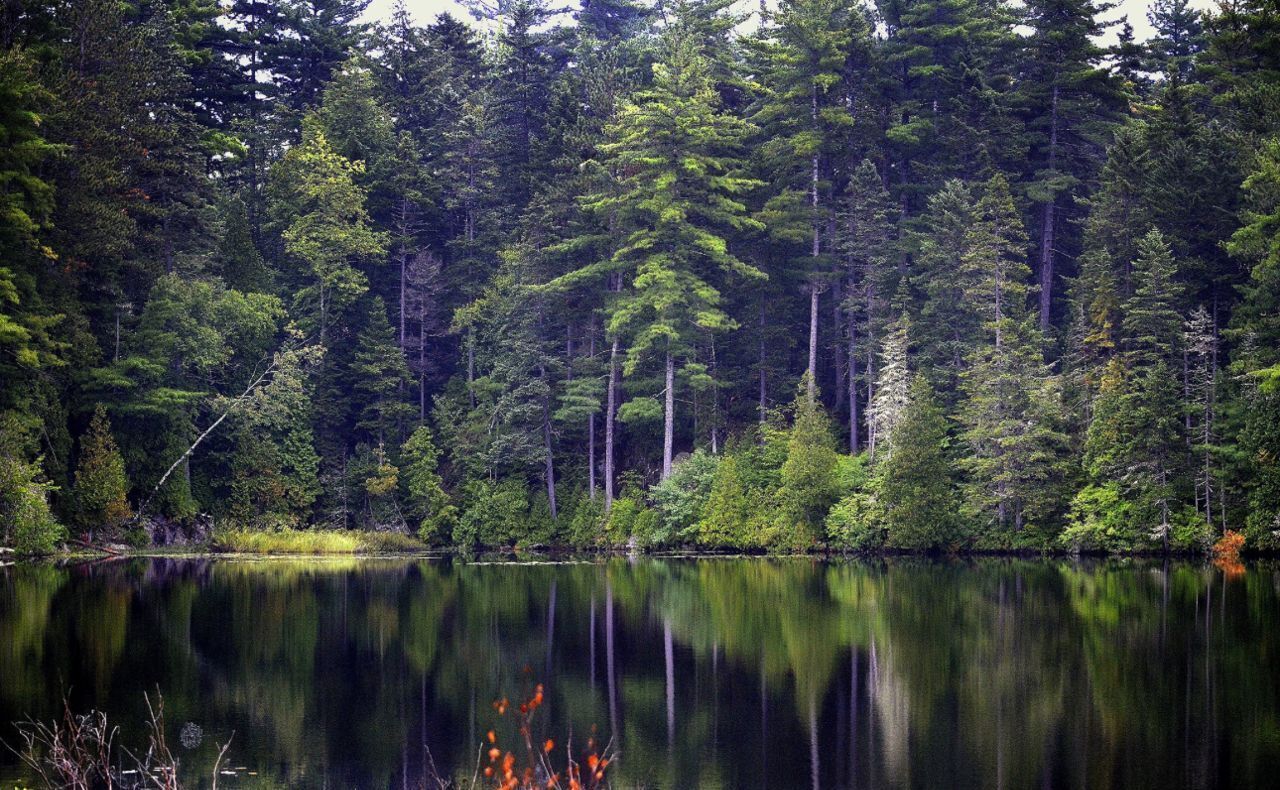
(679, 500)
(100, 482)
(914, 489)
(809, 485)
(26, 521)
(428, 506)
(493, 513)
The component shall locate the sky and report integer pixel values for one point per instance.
(425, 10)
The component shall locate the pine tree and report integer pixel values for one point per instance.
(864, 241)
(1071, 101)
(1009, 398)
(893, 388)
(325, 227)
(100, 483)
(946, 323)
(1179, 35)
(1255, 327)
(805, 46)
(429, 506)
(678, 200)
(379, 376)
(913, 484)
(808, 475)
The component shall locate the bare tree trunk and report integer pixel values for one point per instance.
(811, 384)
(837, 348)
(1048, 219)
(764, 390)
(668, 415)
(591, 432)
(550, 458)
(853, 384)
(611, 407)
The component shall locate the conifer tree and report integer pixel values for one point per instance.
(804, 48)
(864, 241)
(913, 484)
(326, 228)
(893, 388)
(679, 198)
(100, 483)
(1008, 407)
(1070, 101)
(428, 505)
(379, 376)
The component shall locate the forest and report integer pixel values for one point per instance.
(822, 275)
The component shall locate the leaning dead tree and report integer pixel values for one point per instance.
(282, 357)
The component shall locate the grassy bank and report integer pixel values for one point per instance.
(295, 541)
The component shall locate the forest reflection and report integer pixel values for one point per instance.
(709, 672)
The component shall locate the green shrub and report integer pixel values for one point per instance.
(25, 519)
(728, 513)
(680, 498)
(586, 525)
(1099, 519)
(853, 523)
(622, 518)
(494, 513)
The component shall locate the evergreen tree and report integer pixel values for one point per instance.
(101, 486)
(804, 47)
(678, 199)
(380, 375)
(1070, 101)
(427, 504)
(893, 388)
(1008, 410)
(913, 484)
(864, 241)
(808, 474)
(325, 227)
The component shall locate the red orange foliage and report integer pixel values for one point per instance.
(533, 768)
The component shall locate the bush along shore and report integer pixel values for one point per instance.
(782, 489)
(823, 275)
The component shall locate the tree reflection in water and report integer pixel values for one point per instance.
(716, 672)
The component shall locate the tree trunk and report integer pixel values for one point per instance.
(591, 434)
(1048, 219)
(764, 390)
(853, 384)
(611, 404)
(668, 415)
(811, 384)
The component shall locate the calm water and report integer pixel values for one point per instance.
(712, 673)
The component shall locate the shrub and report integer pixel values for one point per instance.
(853, 523)
(493, 513)
(679, 500)
(1098, 519)
(25, 519)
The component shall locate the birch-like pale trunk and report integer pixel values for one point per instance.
(611, 407)
(853, 384)
(182, 459)
(668, 415)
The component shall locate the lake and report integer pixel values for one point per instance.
(712, 672)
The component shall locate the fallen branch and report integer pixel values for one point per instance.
(102, 549)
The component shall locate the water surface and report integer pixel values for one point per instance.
(711, 672)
